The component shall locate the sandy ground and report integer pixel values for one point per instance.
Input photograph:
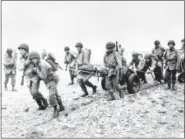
(154, 112)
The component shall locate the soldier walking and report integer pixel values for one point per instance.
(45, 72)
(172, 65)
(83, 78)
(10, 69)
(113, 63)
(69, 60)
(33, 81)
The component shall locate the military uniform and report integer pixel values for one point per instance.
(83, 78)
(112, 63)
(172, 58)
(70, 60)
(33, 81)
(10, 69)
(45, 73)
(140, 66)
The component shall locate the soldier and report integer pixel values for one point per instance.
(153, 65)
(158, 53)
(138, 64)
(10, 69)
(113, 63)
(70, 60)
(83, 79)
(45, 72)
(33, 81)
(172, 64)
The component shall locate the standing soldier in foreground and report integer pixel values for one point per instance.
(45, 72)
(69, 61)
(10, 69)
(33, 80)
(113, 63)
(172, 65)
(83, 78)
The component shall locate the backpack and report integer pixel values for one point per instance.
(52, 61)
(87, 56)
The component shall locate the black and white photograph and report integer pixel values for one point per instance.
(92, 69)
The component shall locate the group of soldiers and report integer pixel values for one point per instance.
(36, 68)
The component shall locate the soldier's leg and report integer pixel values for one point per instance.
(59, 100)
(83, 87)
(71, 77)
(168, 79)
(158, 74)
(37, 96)
(142, 76)
(53, 99)
(173, 79)
(109, 86)
(13, 81)
(7, 76)
(89, 84)
(115, 82)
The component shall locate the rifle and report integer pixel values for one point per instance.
(22, 80)
(60, 67)
(116, 46)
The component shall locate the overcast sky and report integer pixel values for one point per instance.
(53, 25)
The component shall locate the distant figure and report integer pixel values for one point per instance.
(43, 54)
(10, 69)
(69, 60)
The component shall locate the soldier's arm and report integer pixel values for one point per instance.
(65, 60)
(178, 60)
(141, 65)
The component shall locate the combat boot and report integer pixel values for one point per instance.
(13, 88)
(61, 106)
(83, 87)
(94, 89)
(168, 86)
(85, 94)
(45, 102)
(41, 107)
(55, 112)
(173, 86)
(89, 84)
(71, 83)
(111, 96)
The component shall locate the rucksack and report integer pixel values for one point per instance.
(52, 61)
(87, 56)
